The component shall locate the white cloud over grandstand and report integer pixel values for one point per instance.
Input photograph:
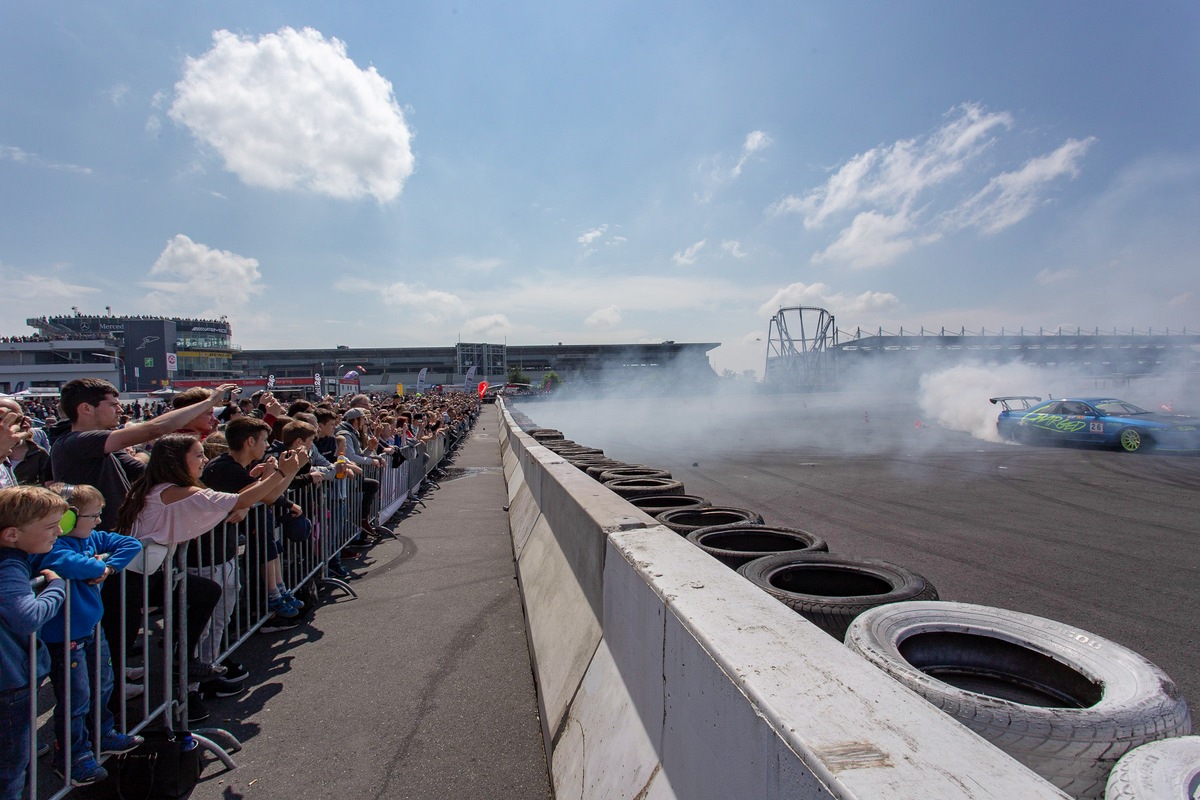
(193, 279)
(914, 191)
(488, 327)
(291, 110)
(604, 317)
(822, 296)
(26, 291)
(578, 297)
(434, 305)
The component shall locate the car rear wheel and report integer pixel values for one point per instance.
(1022, 434)
(1133, 440)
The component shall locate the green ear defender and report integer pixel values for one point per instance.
(71, 515)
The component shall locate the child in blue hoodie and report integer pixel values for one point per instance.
(73, 653)
(29, 518)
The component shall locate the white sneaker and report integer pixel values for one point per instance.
(134, 673)
(133, 690)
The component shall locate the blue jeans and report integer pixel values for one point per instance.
(78, 672)
(14, 742)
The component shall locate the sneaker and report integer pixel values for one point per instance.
(84, 771)
(43, 748)
(201, 671)
(235, 672)
(115, 743)
(296, 603)
(133, 691)
(281, 608)
(134, 673)
(197, 711)
(338, 571)
(277, 623)
(221, 688)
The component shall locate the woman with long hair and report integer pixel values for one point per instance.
(167, 506)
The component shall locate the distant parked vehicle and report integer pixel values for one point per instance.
(1104, 421)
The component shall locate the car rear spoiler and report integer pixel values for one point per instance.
(1026, 401)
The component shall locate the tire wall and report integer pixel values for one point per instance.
(663, 674)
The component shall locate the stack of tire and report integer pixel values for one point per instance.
(1066, 703)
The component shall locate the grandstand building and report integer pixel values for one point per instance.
(383, 368)
(142, 354)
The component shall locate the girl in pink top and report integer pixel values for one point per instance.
(167, 506)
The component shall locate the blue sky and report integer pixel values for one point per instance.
(420, 173)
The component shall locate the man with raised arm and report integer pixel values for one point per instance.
(93, 451)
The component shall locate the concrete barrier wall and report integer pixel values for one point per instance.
(663, 674)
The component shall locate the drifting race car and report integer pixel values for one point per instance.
(1094, 420)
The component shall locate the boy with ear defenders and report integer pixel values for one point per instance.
(73, 653)
(29, 518)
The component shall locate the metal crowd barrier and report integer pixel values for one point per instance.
(334, 507)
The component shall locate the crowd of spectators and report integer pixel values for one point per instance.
(57, 337)
(134, 482)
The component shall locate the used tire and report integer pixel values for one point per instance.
(633, 472)
(1169, 768)
(656, 504)
(1065, 703)
(578, 450)
(1134, 440)
(831, 590)
(593, 460)
(685, 520)
(734, 545)
(600, 467)
(642, 487)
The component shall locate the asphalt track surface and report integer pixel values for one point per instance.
(1102, 540)
(421, 687)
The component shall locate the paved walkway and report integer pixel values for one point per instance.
(419, 688)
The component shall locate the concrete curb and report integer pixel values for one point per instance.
(663, 674)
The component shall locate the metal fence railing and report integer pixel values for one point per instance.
(143, 633)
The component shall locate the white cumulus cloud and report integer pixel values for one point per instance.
(193, 278)
(755, 141)
(1048, 277)
(587, 237)
(872, 240)
(914, 191)
(733, 248)
(433, 305)
(715, 171)
(687, 256)
(604, 317)
(822, 296)
(490, 326)
(291, 110)
(892, 176)
(1012, 196)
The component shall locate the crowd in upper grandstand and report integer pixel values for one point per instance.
(93, 487)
